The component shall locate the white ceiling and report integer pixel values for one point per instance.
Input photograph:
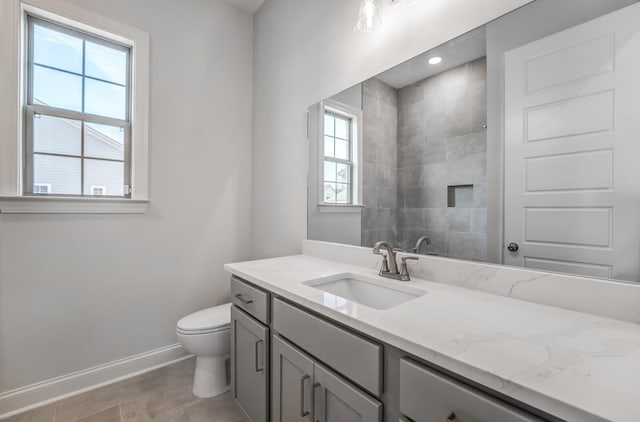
(250, 6)
(463, 49)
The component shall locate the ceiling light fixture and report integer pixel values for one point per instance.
(369, 17)
(435, 60)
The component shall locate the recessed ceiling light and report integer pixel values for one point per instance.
(435, 60)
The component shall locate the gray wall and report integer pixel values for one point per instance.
(380, 109)
(350, 96)
(78, 291)
(442, 144)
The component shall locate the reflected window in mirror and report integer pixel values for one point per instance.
(339, 152)
(337, 159)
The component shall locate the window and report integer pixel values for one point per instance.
(337, 159)
(340, 155)
(77, 138)
(41, 188)
(96, 134)
(98, 190)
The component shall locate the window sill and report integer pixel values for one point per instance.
(70, 205)
(340, 209)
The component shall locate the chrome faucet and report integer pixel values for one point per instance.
(424, 239)
(389, 264)
(389, 267)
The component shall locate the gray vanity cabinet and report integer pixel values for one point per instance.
(428, 396)
(292, 365)
(304, 390)
(338, 401)
(292, 376)
(250, 365)
(354, 357)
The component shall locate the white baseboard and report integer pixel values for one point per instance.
(38, 394)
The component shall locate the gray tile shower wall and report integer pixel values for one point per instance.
(380, 113)
(442, 151)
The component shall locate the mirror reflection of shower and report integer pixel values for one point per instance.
(425, 162)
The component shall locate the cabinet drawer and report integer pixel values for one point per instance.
(426, 396)
(251, 299)
(356, 358)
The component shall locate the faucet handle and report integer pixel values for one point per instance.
(384, 267)
(404, 271)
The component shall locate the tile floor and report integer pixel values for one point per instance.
(162, 395)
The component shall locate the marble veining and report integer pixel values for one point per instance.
(576, 366)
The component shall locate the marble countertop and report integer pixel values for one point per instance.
(575, 366)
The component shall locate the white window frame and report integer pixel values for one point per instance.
(356, 117)
(32, 109)
(12, 28)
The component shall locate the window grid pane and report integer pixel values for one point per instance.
(70, 71)
(329, 125)
(337, 182)
(105, 63)
(63, 174)
(342, 128)
(47, 85)
(102, 79)
(62, 180)
(56, 135)
(56, 49)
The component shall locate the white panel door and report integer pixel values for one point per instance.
(572, 157)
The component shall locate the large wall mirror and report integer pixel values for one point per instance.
(516, 143)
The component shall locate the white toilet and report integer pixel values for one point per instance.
(207, 334)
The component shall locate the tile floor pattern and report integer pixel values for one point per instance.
(163, 395)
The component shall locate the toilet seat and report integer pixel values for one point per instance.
(210, 320)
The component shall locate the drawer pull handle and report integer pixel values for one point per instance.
(303, 412)
(259, 367)
(451, 417)
(316, 413)
(243, 300)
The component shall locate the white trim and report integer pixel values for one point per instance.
(35, 395)
(340, 208)
(11, 141)
(357, 143)
(11, 22)
(70, 205)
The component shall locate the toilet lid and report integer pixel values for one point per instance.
(208, 319)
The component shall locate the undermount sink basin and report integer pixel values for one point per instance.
(372, 292)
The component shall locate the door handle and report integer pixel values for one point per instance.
(513, 247)
(303, 412)
(259, 367)
(316, 413)
(243, 300)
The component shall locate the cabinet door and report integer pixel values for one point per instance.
(249, 365)
(338, 401)
(292, 379)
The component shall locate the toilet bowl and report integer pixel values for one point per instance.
(207, 334)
